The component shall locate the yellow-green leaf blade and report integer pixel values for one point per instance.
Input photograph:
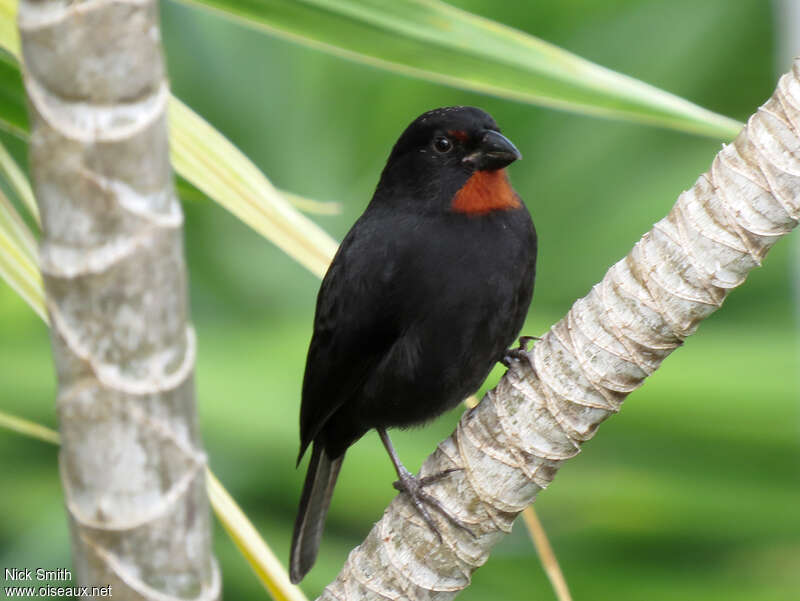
(8, 26)
(244, 535)
(435, 41)
(19, 182)
(13, 115)
(12, 225)
(18, 260)
(308, 205)
(206, 158)
(28, 428)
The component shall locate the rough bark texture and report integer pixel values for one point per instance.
(511, 445)
(131, 461)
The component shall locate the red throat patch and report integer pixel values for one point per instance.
(484, 192)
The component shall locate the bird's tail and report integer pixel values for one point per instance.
(314, 503)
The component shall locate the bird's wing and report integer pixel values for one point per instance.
(354, 327)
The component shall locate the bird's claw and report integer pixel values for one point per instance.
(512, 355)
(519, 353)
(424, 481)
(413, 488)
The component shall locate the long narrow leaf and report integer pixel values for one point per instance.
(316, 207)
(18, 260)
(18, 181)
(18, 276)
(202, 156)
(18, 253)
(435, 41)
(13, 117)
(206, 158)
(12, 225)
(23, 426)
(237, 525)
(261, 558)
(8, 25)
(546, 554)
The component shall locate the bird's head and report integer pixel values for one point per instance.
(450, 159)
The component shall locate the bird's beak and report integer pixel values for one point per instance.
(495, 151)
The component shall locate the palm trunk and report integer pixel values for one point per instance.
(511, 445)
(131, 462)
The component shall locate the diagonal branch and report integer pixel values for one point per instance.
(510, 446)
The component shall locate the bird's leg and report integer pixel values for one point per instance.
(413, 487)
(519, 353)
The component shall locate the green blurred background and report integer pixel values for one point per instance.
(691, 492)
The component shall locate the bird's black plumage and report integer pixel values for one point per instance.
(427, 291)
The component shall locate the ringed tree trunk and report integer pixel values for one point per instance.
(131, 461)
(512, 444)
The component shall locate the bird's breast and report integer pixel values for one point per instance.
(485, 192)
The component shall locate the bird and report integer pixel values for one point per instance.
(427, 291)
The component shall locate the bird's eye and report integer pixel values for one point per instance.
(442, 144)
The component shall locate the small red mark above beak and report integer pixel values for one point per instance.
(458, 134)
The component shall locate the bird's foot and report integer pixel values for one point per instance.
(413, 488)
(518, 354)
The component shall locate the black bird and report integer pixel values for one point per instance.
(428, 290)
